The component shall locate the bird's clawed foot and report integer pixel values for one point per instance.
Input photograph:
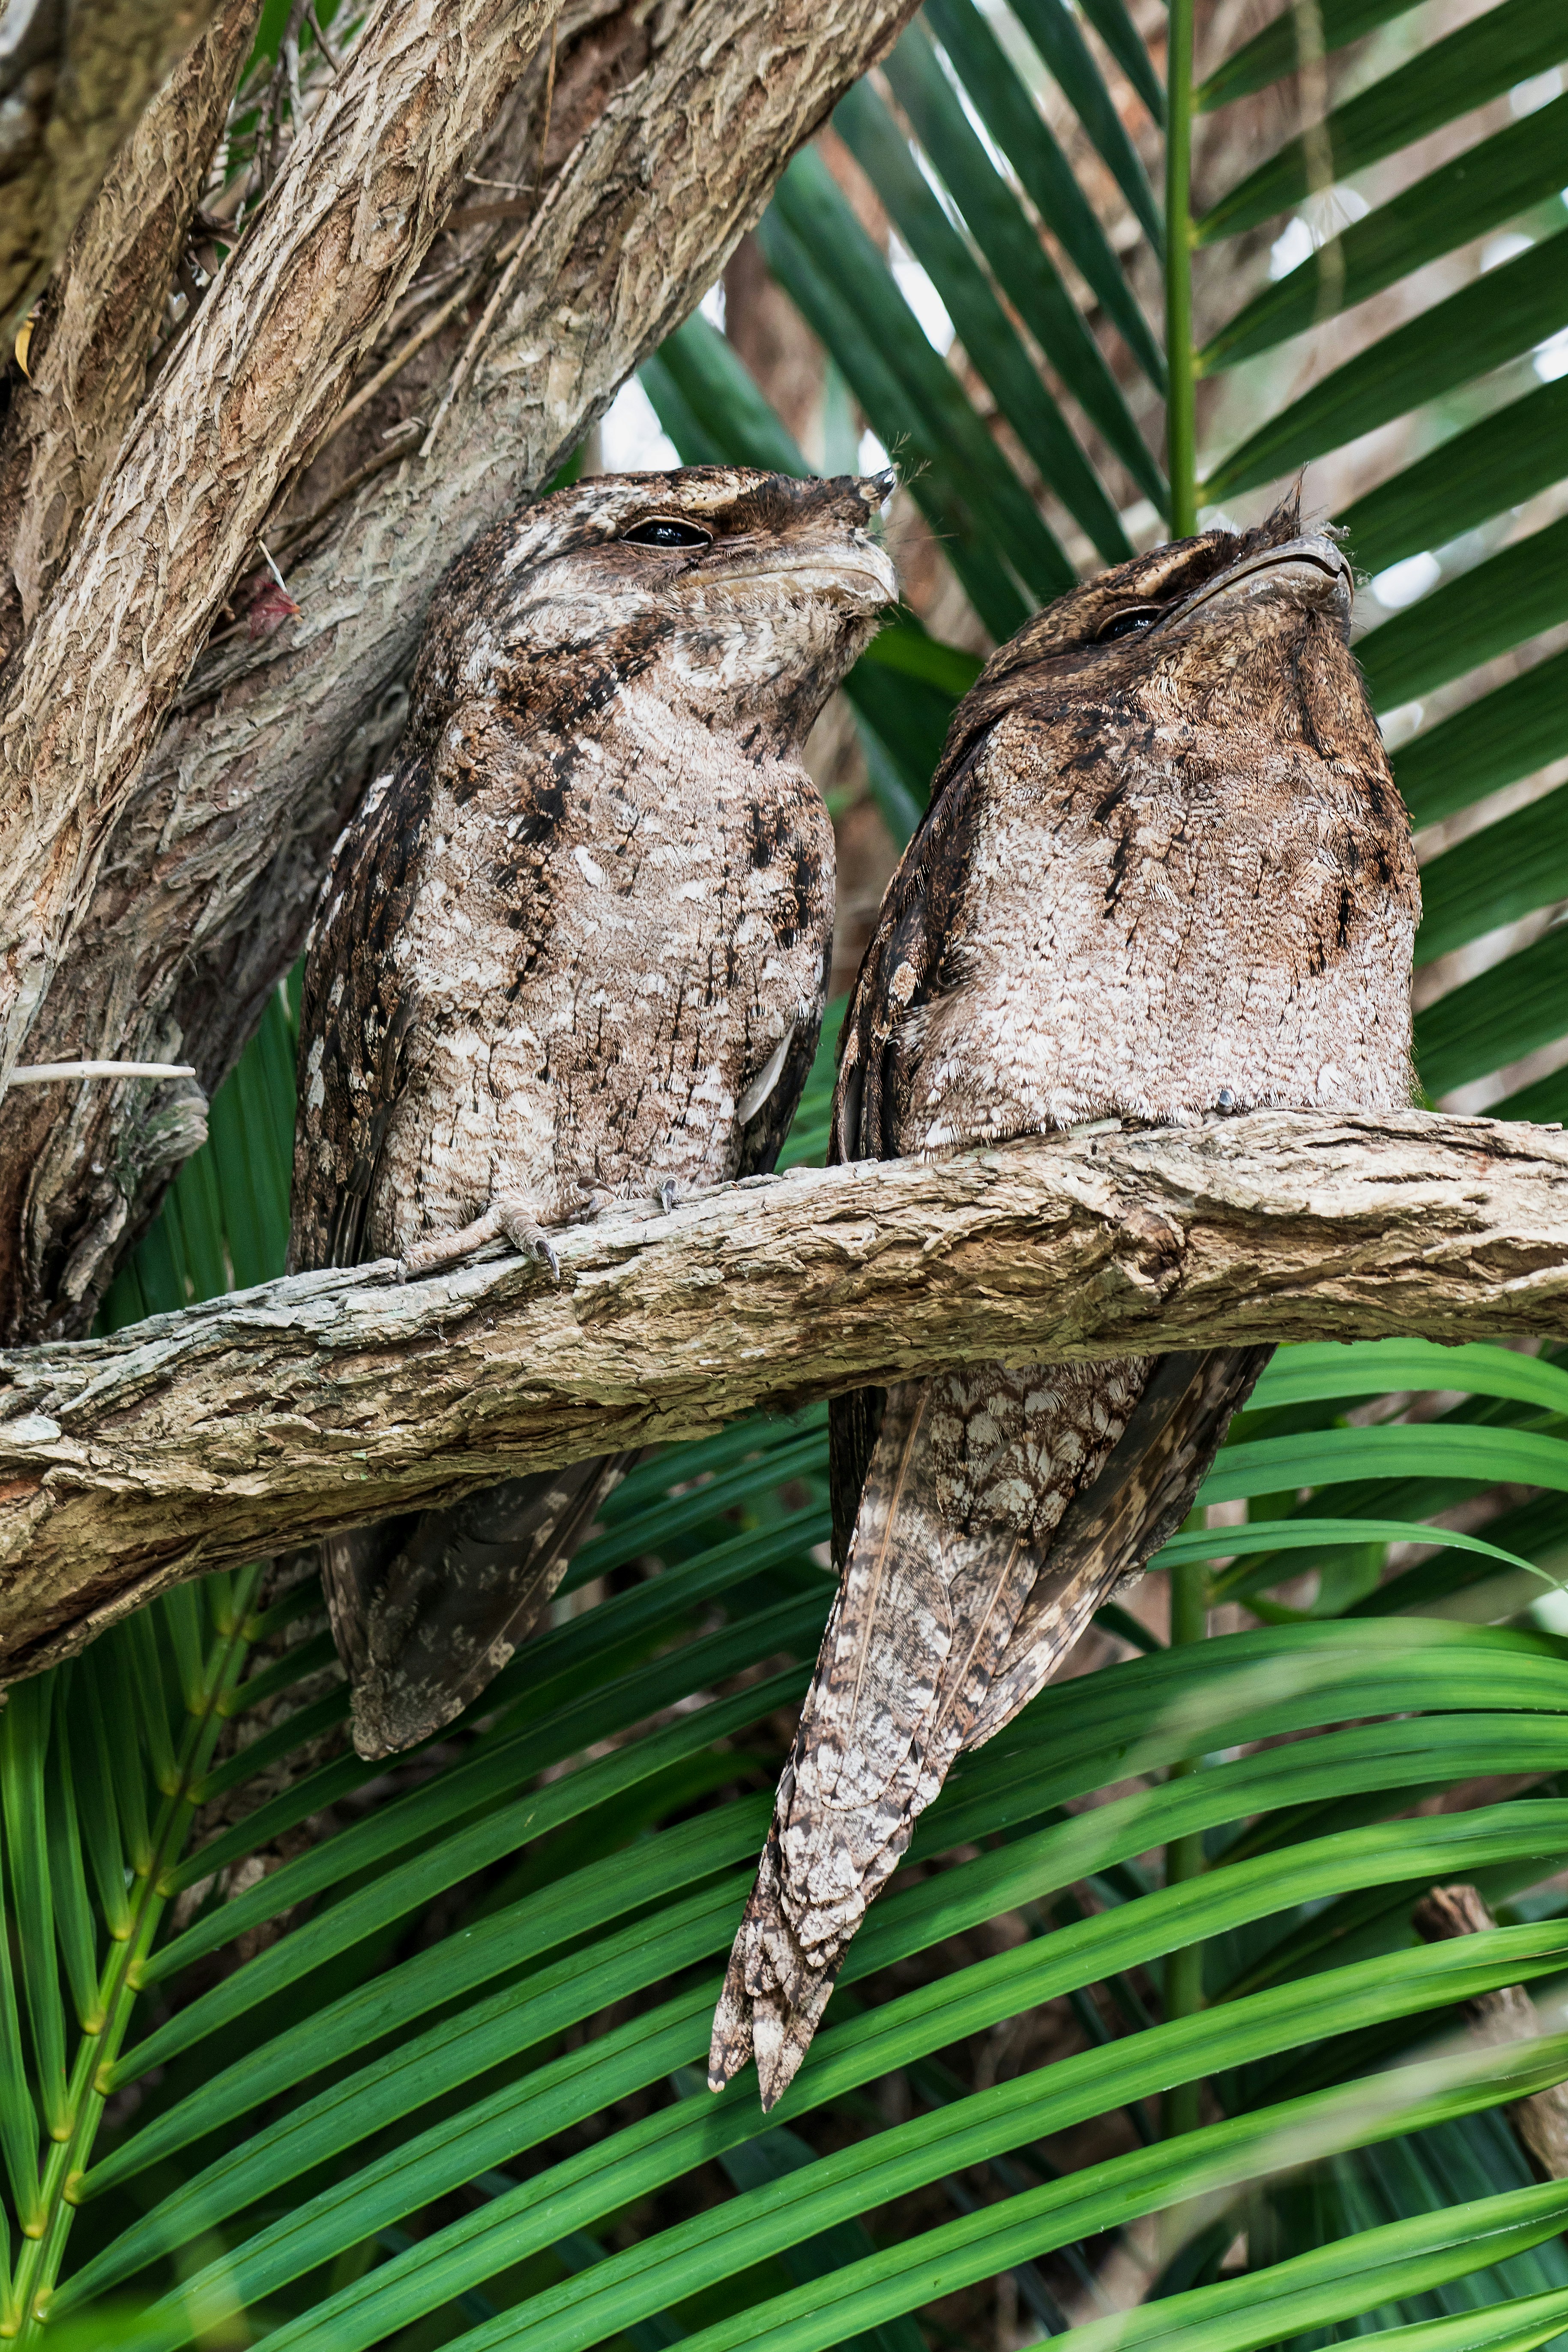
(503, 1220)
(445, 1249)
(532, 1240)
(666, 1194)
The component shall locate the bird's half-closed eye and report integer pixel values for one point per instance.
(1128, 623)
(664, 530)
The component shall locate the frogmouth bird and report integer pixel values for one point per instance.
(573, 948)
(1165, 876)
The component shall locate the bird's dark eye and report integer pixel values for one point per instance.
(1128, 623)
(663, 530)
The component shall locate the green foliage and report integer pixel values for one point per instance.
(307, 2118)
(428, 2077)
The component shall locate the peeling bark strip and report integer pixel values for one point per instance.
(667, 134)
(315, 1404)
(259, 377)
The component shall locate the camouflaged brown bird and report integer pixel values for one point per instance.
(573, 948)
(1165, 876)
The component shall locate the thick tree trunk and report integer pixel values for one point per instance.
(263, 1421)
(680, 122)
(77, 75)
(256, 381)
(86, 360)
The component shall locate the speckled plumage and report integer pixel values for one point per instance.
(1165, 876)
(573, 948)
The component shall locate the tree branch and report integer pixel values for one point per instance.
(264, 369)
(74, 83)
(87, 362)
(263, 1421)
(1496, 2019)
(666, 136)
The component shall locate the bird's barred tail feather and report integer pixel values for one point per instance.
(945, 1625)
(427, 1611)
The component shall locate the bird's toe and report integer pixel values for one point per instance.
(534, 1242)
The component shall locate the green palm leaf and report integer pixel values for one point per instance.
(1512, 41)
(1490, 183)
(1279, 49)
(1442, 349)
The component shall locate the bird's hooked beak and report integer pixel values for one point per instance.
(839, 559)
(1309, 571)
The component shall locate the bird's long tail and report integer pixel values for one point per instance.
(428, 1609)
(946, 1627)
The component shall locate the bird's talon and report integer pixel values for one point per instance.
(529, 1239)
(664, 1193)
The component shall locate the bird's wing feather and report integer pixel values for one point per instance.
(426, 1610)
(1142, 1493)
(763, 1136)
(354, 1024)
(897, 975)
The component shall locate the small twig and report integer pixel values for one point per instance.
(470, 215)
(284, 75)
(549, 107)
(512, 254)
(292, 64)
(508, 254)
(323, 43)
(46, 1074)
(292, 532)
(404, 353)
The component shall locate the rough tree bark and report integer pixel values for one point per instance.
(681, 118)
(260, 1422)
(256, 381)
(75, 76)
(86, 360)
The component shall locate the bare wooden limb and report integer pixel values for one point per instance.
(666, 133)
(1540, 2121)
(255, 385)
(260, 1422)
(88, 357)
(75, 79)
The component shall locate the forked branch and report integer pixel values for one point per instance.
(267, 1419)
(668, 129)
(254, 386)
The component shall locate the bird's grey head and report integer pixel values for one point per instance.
(1248, 631)
(727, 594)
(1183, 603)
